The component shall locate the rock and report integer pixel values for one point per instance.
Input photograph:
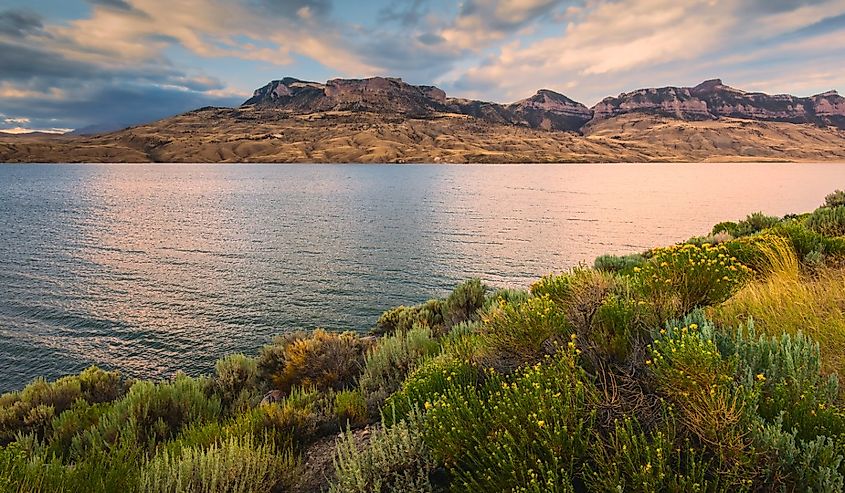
(713, 100)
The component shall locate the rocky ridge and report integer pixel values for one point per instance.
(713, 100)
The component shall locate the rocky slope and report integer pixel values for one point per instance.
(388, 120)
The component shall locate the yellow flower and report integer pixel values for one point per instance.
(427, 405)
(637, 269)
(541, 423)
(761, 377)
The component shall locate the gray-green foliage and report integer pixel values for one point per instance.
(389, 362)
(39, 402)
(835, 199)
(235, 465)
(828, 221)
(464, 302)
(236, 380)
(395, 459)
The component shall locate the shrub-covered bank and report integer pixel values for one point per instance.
(700, 367)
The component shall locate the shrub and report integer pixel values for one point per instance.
(35, 406)
(389, 362)
(465, 341)
(428, 382)
(25, 466)
(618, 264)
(395, 459)
(463, 303)
(792, 464)
(403, 318)
(555, 287)
(350, 407)
(295, 421)
(524, 332)
(690, 371)
(793, 390)
(631, 460)
(271, 358)
(805, 241)
(151, 413)
(690, 276)
(835, 199)
(588, 290)
(786, 303)
(754, 223)
(235, 380)
(828, 221)
(324, 360)
(238, 464)
(621, 324)
(523, 431)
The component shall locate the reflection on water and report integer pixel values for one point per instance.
(153, 268)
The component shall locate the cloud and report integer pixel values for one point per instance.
(613, 45)
(19, 23)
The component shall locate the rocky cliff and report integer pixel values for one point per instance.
(546, 110)
(712, 100)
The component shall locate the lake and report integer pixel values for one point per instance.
(156, 268)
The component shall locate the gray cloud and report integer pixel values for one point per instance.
(291, 8)
(490, 13)
(405, 12)
(19, 23)
(109, 104)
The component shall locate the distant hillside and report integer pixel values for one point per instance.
(387, 120)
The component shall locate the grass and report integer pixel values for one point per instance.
(788, 302)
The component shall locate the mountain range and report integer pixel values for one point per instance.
(383, 119)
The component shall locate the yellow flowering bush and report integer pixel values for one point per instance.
(689, 370)
(690, 276)
(519, 333)
(530, 428)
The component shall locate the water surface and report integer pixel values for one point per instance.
(154, 268)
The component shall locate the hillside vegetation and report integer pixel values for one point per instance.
(706, 366)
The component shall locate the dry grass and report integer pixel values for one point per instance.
(788, 302)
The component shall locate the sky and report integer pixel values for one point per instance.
(75, 64)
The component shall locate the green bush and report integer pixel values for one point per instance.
(516, 334)
(389, 362)
(632, 460)
(33, 408)
(828, 221)
(151, 413)
(403, 318)
(236, 380)
(691, 373)
(527, 431)
(395, 459)
(754, 223)
(835, 199)
(350, 407)
(618, 264)
(793, 390)
(26, 466)
(679, 278)
(464, 302)
(428, 382)
(236, 465)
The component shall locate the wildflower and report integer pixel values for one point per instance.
(761, 377)
(541, 423)
(427, 405)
